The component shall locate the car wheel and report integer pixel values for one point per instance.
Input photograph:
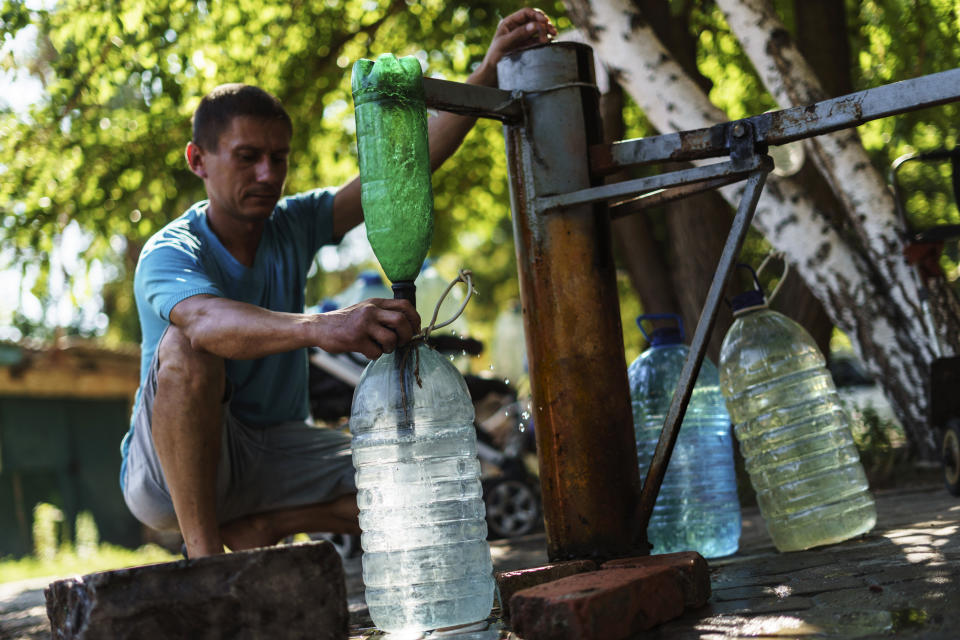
(347, 545)
(513, 508)
(950, 452)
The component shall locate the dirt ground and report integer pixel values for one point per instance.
(901, 580)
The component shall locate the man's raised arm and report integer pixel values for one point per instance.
(447, 131)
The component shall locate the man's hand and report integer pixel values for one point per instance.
(372, 327)
(520, 29)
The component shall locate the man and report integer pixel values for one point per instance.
(218, 446)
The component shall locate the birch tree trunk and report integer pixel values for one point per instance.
(868, 202)
(868, 293)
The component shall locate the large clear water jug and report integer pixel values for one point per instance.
(426, 561)
(697, 508)
(793, 432)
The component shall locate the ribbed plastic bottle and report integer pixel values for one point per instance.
(426, 561)
(697, 508)
(794, 434)
(394, 159)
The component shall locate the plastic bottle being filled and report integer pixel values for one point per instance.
(426, 561)
(697, 508)
(793, 432)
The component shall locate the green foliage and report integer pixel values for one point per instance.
(895, 40)
(47, 526)
(882, 445)
(105, 145)
(55, 554)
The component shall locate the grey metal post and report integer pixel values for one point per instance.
(581, 402)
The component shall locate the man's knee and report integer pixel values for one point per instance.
(186, 369)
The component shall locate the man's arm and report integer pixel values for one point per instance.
(240, 331)
(447, 130)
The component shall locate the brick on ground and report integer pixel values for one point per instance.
(692, 569)
(623, 598)
(510, 582)
(294, 591)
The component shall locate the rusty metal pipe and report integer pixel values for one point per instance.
(581, 399)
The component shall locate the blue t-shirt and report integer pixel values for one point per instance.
(186, 258)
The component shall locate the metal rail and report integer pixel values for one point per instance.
(781, 127)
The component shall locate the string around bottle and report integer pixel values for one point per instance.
(463, 275)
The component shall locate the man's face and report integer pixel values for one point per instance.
(244, 175)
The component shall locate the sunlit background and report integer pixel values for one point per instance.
(95, 109)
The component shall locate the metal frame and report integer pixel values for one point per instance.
(744, 141)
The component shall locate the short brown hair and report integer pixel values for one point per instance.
(227, 101)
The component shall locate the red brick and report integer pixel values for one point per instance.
(510, 582)
(692, 568)
(609, 604)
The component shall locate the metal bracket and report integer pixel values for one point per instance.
(698, 347)
(729, 171)
(473, 100)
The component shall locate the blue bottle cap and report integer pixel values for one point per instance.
(747, 299)
(370, 277)
(664, 336)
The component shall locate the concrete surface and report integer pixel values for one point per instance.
(902, 580)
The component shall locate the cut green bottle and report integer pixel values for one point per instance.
(394, 157)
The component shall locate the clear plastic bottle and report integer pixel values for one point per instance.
(697, 508)
(430, 286)
(794, 434)
(509, 348)
(368, 285)
(426, 561)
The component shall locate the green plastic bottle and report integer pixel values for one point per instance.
(394, 157)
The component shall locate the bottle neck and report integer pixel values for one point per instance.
(745, 310)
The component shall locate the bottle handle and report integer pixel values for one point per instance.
(753, 274)
(660, 316)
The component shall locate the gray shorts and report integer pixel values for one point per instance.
(261, 469)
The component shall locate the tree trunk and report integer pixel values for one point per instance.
(633, 238)
(868, 202)
(871, 296)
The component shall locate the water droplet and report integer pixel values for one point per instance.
(464, 352)
(491, 367)
(525, 415)
(506, 380)
(451, 358)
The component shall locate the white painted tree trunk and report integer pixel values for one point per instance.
(841, 159)
(870, 295)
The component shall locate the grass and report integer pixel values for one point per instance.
(67, 561)
(57, 556)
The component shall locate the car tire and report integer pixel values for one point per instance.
(513, 508)
(347, 545)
